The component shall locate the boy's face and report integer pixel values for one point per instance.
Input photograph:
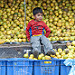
(38, 17)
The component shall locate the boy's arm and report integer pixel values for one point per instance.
(27, 31)
(47, 30)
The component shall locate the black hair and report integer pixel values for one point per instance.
(37, 10)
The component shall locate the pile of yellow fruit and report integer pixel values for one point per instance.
(12, 21)
(40, 57)
(68, 53)
(59, 15)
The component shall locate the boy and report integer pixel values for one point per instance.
(37, 26)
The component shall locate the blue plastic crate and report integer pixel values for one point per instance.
(64, 70)
(41, 67)
(3, 64)
(19, 66)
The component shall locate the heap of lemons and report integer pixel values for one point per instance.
(40, 57)
(12, 21)
(68, 53)
(59, 15)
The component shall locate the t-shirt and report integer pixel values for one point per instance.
(37, 28)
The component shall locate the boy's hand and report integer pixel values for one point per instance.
(28, 40)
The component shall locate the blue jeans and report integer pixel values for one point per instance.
(35, 41)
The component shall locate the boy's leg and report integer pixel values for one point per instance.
(35, 41)
(47, 44)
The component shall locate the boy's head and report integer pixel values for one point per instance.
(38, 13)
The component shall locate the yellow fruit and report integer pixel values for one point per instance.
(57, 53)
(59, 50)
(58, 56)
(2, 41)
(47, 57)
(32, 55)
(42, 54)
(31, 58)
(70, 47)
(7, 40)
(20, 40)
(8, 32)
(73, 43)
(2, 29)
(25, 55)
(12, 40)
(39, 57)
(35, 58)
(43, 58)
(16, 40)
(24, 40)
(70, 56)
(24, 36)
(52, 56)
(73, 56)
(65, 56)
